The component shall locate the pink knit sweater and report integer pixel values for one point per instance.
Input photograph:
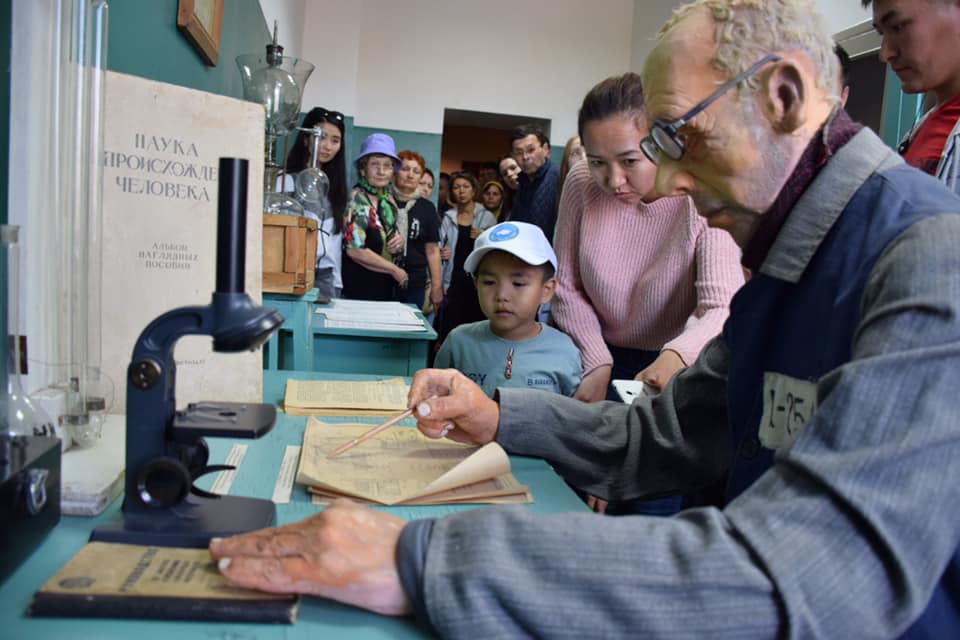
(650, 276)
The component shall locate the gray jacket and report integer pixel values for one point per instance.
(449, 231)
(811, 549)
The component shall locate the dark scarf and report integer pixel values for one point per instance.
(836, 132)
(386, 210)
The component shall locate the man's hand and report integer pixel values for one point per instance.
(345, 553)
(593, 386)
(447, 404)
(662, 369)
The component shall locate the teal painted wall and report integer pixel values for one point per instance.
(556, 153)
(144, 41)
(899, 112)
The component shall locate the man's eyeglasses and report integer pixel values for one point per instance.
(664, 137)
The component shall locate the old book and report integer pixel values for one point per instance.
(106, 580)
(344, 398)
(401, 466)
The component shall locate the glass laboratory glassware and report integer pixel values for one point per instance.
(312, 184)
(19, 416)
(79, 120)
(275, 81)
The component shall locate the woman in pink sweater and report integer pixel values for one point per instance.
(642, 283)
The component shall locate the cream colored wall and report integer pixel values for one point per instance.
(289, 17)
(399, 64)
(649, 15)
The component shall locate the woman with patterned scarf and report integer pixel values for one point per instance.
(371, 234)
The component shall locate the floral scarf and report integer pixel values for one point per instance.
(386, 210)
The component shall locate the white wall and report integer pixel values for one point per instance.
(289, 16)
(648, 15)
(331, 41)
(399, 64)
(843, 14)
(647, 18)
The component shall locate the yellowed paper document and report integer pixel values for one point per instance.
(401, 465)
(337, 397)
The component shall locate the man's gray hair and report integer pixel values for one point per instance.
(747, 30)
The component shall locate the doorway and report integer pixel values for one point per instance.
(476, 140)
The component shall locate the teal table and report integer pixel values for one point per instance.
(256, 477)
(381, 352)
(292, 346)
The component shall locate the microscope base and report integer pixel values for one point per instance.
(191, 523)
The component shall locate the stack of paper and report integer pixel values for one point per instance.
(370, 316)
(340, 398)
(402, 466)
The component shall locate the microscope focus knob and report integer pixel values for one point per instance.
(163, 482)
(145, 373)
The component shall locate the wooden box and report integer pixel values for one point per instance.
(289, 253)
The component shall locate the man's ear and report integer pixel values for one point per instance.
(786, 96)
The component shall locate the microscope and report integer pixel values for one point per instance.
(165, 450)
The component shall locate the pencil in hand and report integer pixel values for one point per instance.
(366, 435)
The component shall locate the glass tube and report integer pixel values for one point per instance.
(83, 52)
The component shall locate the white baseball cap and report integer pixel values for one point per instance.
(522, 239)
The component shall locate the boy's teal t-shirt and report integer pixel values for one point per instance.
(548, 361)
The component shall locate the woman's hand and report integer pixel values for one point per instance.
(436, 294)
(593, 386)
(401, 277)
(346, 553)
(446, 253)
(447, 404)
(395, 243)
(597, 505)
(662, 369)
(474, 232)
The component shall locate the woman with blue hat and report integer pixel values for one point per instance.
(371, 234)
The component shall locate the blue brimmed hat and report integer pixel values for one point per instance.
(377, 143)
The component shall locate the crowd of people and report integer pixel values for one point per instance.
(786, 283)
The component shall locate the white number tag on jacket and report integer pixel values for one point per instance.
(788, 404)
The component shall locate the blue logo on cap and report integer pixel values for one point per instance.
(504, 232)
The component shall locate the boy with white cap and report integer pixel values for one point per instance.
(513, 265)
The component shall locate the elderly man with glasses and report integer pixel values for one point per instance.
(826, 405)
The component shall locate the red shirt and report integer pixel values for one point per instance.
(924, 152)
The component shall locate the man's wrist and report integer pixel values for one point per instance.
(411, 564)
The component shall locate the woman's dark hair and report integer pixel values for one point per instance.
(336, 169)
(617, 94)
(469, 177)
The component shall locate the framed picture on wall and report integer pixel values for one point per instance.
(201, 21)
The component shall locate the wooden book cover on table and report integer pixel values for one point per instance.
(162, 145)
(106, 580)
